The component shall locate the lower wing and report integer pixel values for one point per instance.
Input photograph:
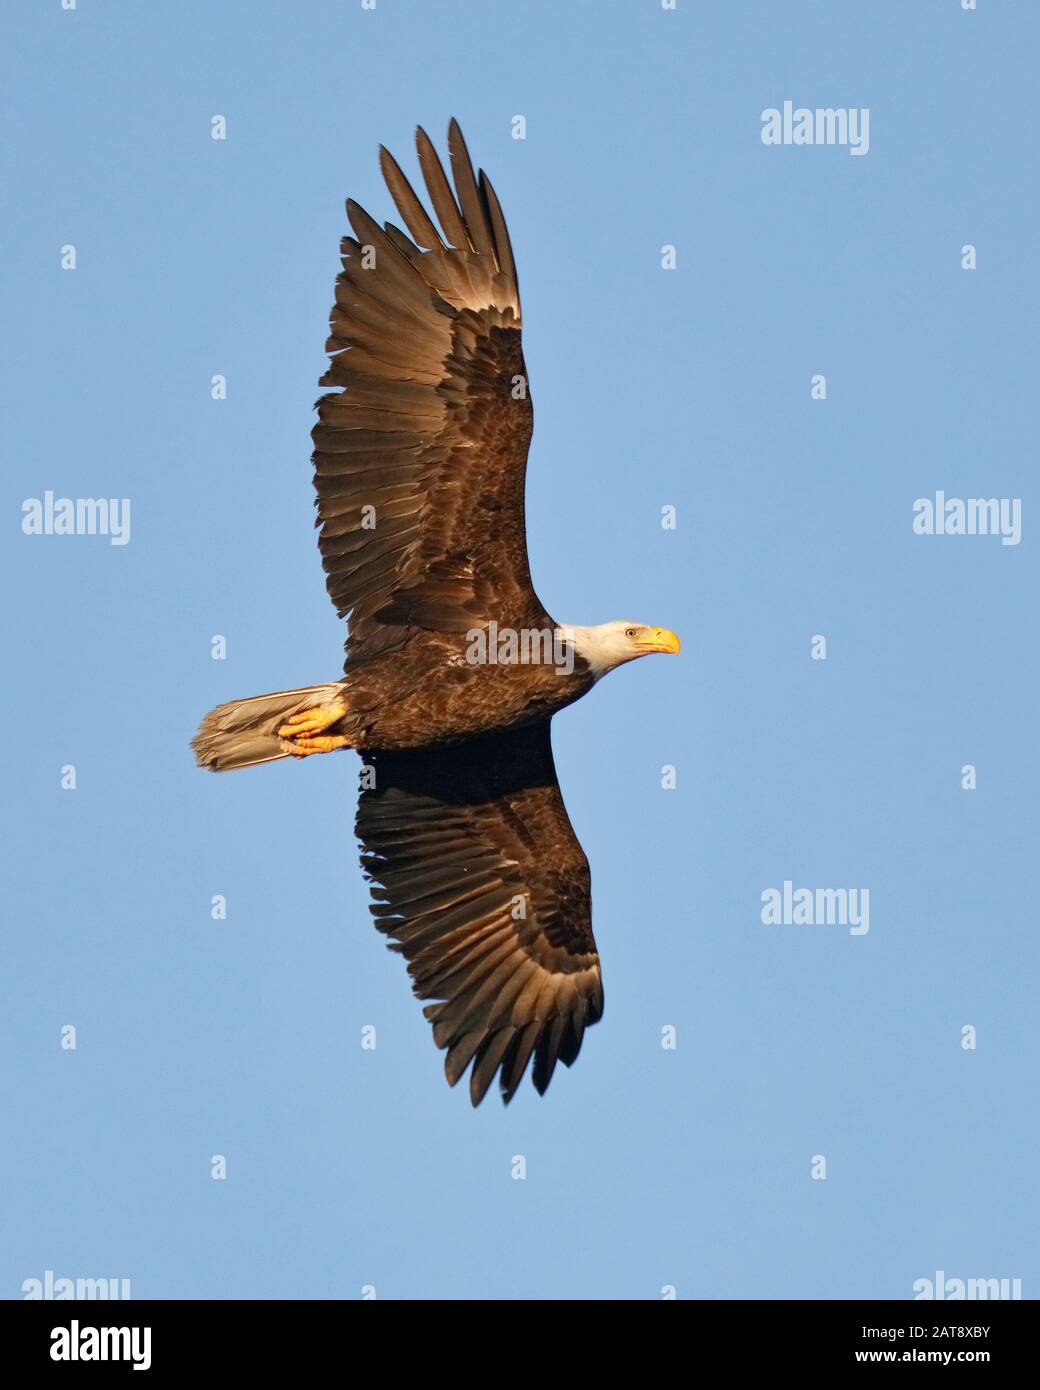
(482, 885)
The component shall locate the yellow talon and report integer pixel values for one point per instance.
(302, 747)
(312, 721)
(300, 735)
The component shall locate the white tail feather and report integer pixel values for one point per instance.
(243, 733)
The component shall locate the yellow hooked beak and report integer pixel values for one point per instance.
(659, 639)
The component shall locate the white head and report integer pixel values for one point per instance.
(612, 644)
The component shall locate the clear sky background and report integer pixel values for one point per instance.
(645, 1167)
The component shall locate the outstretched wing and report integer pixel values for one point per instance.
(482, 885)
(420, 461)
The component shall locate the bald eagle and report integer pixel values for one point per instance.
(453, 668)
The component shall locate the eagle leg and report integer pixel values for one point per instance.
(302, 730)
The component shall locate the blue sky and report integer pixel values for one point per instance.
(646, 1167)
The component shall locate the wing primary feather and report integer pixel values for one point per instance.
(503, 246)
(472, 204)
(571, 1044)
(486, 1063)
(514, 1064)
(460, 1054)
(548, 1051)
(416, 218)
(440, 192)
(402, 243)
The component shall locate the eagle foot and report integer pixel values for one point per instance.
(301, 733)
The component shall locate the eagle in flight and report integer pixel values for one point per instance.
(453, 668)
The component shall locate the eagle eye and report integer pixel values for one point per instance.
(630, 631)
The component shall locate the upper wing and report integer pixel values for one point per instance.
(484, 888)
(420, 462)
